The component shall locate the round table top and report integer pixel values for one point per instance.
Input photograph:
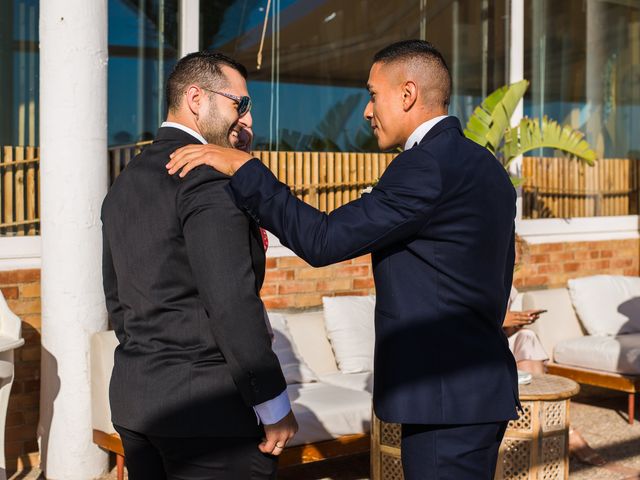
(548, 387)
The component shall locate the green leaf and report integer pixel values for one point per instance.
(490, 121)
(530, 135)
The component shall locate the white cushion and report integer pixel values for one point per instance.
(559, 322)
(362, 381)
(294, 368)
(350, 326)
(325, 412)
(620, 354)
(310, 336)
(103, 346)
(607, 304)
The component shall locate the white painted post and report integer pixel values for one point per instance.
(189, 27)
(516, 73)
(74, 178)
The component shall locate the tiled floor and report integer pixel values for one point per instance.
(599, 414)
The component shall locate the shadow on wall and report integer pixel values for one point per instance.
(48, 391)
(21, 446)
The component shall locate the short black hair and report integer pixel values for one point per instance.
(203, 68)
(412, 51)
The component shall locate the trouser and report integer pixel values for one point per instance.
(451, 452)
(149, 457)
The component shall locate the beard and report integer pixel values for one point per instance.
(215, 129)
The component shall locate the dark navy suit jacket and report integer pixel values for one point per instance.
(440, 227)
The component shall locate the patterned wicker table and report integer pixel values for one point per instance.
(535, 446)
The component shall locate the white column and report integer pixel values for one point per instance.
(516, 73)
(189, 27)
(74, 176)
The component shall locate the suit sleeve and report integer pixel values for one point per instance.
(396, 209)
(217, 237)
(110, 285)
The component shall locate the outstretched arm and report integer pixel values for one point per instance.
(396, 209)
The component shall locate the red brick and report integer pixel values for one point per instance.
(630, 271)
(353, 293)
(550, 268)
(550, 247)
(353, 271)
(14, 419)
(19, 276)
(363, 260)
(21, 432)
(297, 287)
(308, 300)
(621, 263)
(288, 262)
(281, 302)
(30, 290)
(544, 258)
(10, 293)
(22, 307)
(536, 281)
(311, 273)
(363, 283)
(334, 285)
(30, 354)
(561, 257)
(275, 275)
(594, 254)
(571, 267)
(272, 262)
(268, 290)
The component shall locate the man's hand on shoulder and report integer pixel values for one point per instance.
(278, 434)
(225, 160)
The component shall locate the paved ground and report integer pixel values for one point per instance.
(599, 414)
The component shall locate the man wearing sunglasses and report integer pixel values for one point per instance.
(196, 390)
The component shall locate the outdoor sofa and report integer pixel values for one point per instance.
(333, 408)
(591, 331)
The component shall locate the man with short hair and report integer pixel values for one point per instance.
(195, 385)
(440, 227)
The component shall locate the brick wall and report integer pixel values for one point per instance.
(289, 283)
(551, 265)
(21, 289)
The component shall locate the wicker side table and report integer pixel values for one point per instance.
(535, 447)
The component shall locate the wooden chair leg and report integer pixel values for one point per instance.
(120, 466)
(632, 408)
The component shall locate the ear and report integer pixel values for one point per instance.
(409, 95)
(194, 98)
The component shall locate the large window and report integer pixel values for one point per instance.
(19, 72)
(143, 48)
(309, 93)
(583, 60)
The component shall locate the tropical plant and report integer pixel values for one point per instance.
(490, 127)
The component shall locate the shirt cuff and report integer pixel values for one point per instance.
(274, 410)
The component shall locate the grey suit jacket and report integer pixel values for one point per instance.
(183, 268)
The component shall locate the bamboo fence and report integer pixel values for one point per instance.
(553, 188)
(19, 191)
(566, 188)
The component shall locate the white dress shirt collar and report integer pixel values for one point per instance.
(186, 129)
(419, 133)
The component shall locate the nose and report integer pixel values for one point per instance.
(368, 111)
(246, 120)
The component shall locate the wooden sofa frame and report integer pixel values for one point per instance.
(313, 452)
(629, 384)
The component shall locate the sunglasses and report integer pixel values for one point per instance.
(244, 102)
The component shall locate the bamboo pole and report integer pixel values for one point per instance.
(7, 190)
(331, 193)
(337, 191)
(315, 176)
(298, 183)
(321, 179)
(31, 190)
(306, 194)
(353, 177)
(19, 189)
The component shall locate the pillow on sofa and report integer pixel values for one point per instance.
(294, 368)
(350, 326)
(607, 304)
